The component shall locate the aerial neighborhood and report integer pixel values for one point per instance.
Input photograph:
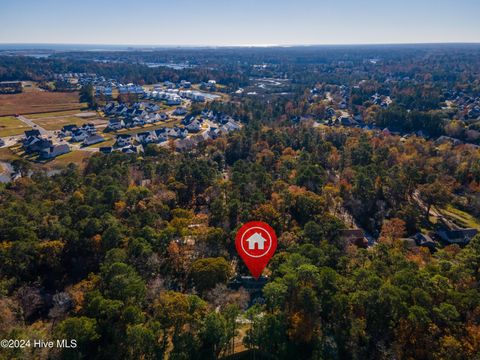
(240, 180)
(157, 114)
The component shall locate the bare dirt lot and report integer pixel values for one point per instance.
(32, 102)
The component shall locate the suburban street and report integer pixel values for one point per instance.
(34, 126)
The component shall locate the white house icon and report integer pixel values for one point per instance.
(256, 240)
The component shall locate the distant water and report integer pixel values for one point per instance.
(107, 47)
(91, 47)
(38, 56)
(179, 66)
(62, 47)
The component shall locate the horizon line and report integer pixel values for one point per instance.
(234, 45)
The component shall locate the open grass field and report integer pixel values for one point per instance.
(77, 157)
(38, 102)
(108, 142)
(53, 114)
(7, 154)
(9, 126)
(56, 123)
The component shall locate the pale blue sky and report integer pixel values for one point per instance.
(238, 22)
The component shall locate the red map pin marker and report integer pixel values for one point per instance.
(256, 243)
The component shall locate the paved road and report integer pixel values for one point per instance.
(35, 126)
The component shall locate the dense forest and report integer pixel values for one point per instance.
(133, 255)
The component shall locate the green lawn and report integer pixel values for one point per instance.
(461, 218)
(10, 125)
(7, 154)
(108, 142)
(77, 157)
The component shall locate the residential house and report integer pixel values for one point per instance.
(30, 133)
(109, 108)
(106, 149)
(182, 133)
(172, 132)
(89, 128)
(123, 140)
(93, 139)
(130, 149)
(229, 126)
(169, 84)
(458, 236)
(424, 240)
(116, 124)
(177, 132)
(198, 97)
(195, 126)
(188, 119)
(138, 121)
(79, 135)
(36, 146)
(67, 130)
(146, 137)
(213, 132)
(152, 107)
(185, 84)
(174, 100)
(121, 110)
(184, 144)
(28, 141)
(161, 135)
(54, 151)
(179, 111)
(208, 114)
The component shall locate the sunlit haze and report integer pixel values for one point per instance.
(244, 22)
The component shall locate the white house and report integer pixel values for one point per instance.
(146, 137)
(256, 241)
(180, 111)
(124, 140)
(93, 139)
(79, 135)
(115, 124)
(54, 151)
